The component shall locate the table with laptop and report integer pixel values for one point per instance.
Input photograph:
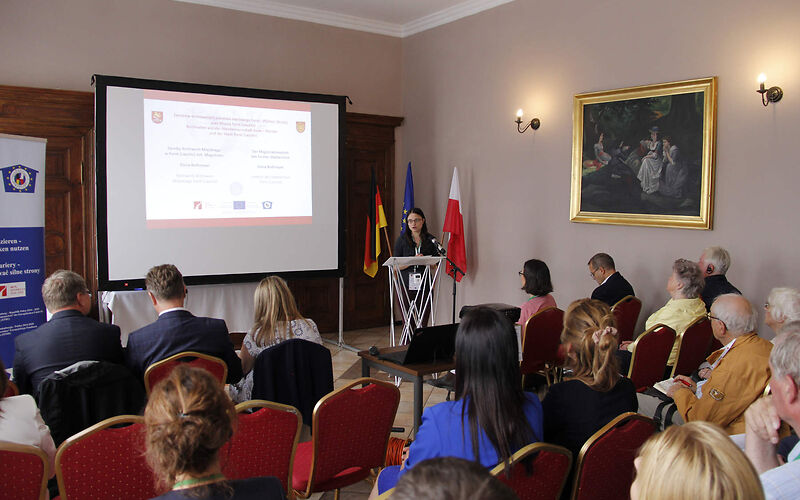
(431, 350)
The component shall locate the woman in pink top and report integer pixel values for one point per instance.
(535, 278)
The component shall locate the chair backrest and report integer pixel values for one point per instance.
(161, 369)
(106, 462)
(351, 428)
(93, 392)
(693, 345)
(549, 466)
(626, 312)
(541, 337)
(295, 372)
(11, 389)
(604, 469)
(25, 470)
(650, 355)
(264, 442)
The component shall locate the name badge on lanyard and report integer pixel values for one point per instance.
(414, 281)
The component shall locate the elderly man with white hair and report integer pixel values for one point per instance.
(739, 371)
(764, 420)
(782, 306)
(714, 263)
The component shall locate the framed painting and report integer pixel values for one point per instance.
(644, 155)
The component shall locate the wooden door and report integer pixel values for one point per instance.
(370, 145)
(65, 119)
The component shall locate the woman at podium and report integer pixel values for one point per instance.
(416, 241)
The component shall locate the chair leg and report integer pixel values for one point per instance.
(336, 494)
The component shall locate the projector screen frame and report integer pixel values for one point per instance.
(102, 82)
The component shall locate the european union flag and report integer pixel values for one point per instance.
(19, 179)
(408, 199)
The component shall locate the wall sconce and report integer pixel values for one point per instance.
(534, 124)
(772, 94)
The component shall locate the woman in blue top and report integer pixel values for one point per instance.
(491, 417)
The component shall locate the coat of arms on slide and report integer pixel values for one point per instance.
(301, 127)
(157, 116)
(19, 179)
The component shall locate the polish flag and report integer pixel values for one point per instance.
(454, 224)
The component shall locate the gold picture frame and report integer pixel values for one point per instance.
(644, 156)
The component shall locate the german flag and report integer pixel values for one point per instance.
(376, 219)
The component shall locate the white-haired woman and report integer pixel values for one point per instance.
(684, 285)
(782, 306)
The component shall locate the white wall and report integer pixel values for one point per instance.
(463, 82)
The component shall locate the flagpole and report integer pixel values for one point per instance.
(388, 245)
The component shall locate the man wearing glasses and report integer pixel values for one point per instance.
(70, 336)
(739, 371)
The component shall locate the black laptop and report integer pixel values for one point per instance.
(428, 345)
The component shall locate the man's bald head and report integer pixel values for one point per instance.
(736, 312)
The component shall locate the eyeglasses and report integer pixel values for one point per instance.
(520, 273)
(414, 221)
(711, 316)
(766, 305)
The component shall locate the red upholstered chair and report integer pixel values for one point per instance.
(626, 312)
(159, 370)
(105, 461)
(264, 442)
(650, 355)
(24, 471)
(541, 339)
(351, 428)
(549, 466)
(692, 346)
(604, 469)
(11, 389)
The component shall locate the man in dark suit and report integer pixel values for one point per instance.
(67, 338)
(613, 286)
(714, 263)
(176, 329)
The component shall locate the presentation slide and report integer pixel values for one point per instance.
(220, 160)
(225, 183)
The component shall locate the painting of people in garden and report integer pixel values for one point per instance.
(644, 155)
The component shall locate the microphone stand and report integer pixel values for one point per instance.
(456, 270)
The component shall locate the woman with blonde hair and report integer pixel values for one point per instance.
(276, 319)
(187, 420)
(696, 460)
(594, 393)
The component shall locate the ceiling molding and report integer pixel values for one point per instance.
(446, 16)
(278, 9)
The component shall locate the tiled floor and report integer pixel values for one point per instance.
(345, 372)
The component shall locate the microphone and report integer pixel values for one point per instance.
(438, 246)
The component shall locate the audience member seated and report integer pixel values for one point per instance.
(684, 306)
(695, 461)
(595, 393)
(612, 286)
(276, 319)
(188, 418)
(67, 338)
(491, 417)
(739, 371)
(714, 263)
(452, 479)
(21, 423)
(782, 306)
(176, 329)
(535, 278)
(764, 417)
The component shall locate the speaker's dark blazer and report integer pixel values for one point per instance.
(178, 331)
(615, 288)
(67, 338)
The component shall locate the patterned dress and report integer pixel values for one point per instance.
(304, 329)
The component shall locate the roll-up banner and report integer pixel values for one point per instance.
(22, 161)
